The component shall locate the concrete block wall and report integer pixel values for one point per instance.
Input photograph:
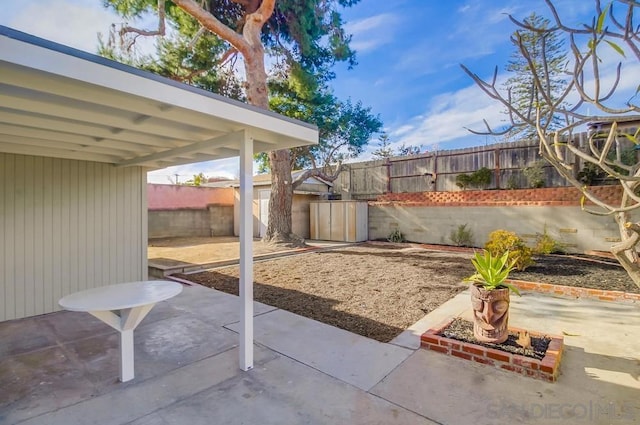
(430, 217)
(221, 220)
(215, 220)
(179, 223)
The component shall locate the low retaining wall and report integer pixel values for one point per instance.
(431, 217)
(576, 292)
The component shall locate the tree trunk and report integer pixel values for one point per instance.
(280, 201)
(626, 250)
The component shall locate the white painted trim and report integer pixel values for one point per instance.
(263, 213)
(246, 253)
(229, 139)
(144, 226)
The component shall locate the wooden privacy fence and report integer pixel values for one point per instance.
(437, 171)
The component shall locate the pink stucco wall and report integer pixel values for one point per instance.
(170, 197)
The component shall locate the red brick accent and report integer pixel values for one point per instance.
(439, 349)
(573, 292)
(562, 196)
(473, 349)
(546, 369)
(461, 355)
(498, 355)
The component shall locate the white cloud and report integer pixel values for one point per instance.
(402, 130)
(72, 23)
(372, 32)
(448, 116)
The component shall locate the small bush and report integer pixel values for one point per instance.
(462, 236)
(545, 244)
(512, 183)
(396, 236)
(478, 179)
(501, 241)
(463, 181)
(591, 174)
(481, 178)
(535, 174)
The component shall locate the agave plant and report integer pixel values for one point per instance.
(491, 272)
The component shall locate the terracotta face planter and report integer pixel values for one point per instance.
(490, 314)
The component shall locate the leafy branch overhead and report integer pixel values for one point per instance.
(301, 40)
(602, 61)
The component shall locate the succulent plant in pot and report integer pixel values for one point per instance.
(490, 296)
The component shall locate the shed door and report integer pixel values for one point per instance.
(263, 196)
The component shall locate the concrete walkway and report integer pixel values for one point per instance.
(61, 368)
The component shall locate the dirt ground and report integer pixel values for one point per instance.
(375, 290)
(371, 290)
(200, 250)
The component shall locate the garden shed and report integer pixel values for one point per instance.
(310, 190)
(78, 134)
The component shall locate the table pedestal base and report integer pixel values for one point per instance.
(125, 321)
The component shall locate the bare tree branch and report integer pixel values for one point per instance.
(161, 24)
(603, 149)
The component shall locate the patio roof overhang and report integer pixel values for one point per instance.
(60, 102)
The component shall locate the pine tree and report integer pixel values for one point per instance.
(542, 53)
(384, 149)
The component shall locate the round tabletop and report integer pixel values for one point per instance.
(121, 296)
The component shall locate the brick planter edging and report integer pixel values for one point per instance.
(546, 369)
(576, 292)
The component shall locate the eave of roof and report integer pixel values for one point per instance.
(57, 101)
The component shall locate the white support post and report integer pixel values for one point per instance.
(126, 356)
(246, 253)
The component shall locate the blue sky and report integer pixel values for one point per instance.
(408, 54)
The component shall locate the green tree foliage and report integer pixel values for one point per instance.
(184, 55)
(547, 58)
(345, 127)
(196, 180)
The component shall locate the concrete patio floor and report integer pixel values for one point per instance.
(61, 368)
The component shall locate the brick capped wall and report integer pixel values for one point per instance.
(560, 196)
(175, 197)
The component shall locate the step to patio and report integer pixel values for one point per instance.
(546, 369)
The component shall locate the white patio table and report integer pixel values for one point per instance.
(122, 306)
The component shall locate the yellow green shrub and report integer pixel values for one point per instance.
(501, 241)
(545, 244)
